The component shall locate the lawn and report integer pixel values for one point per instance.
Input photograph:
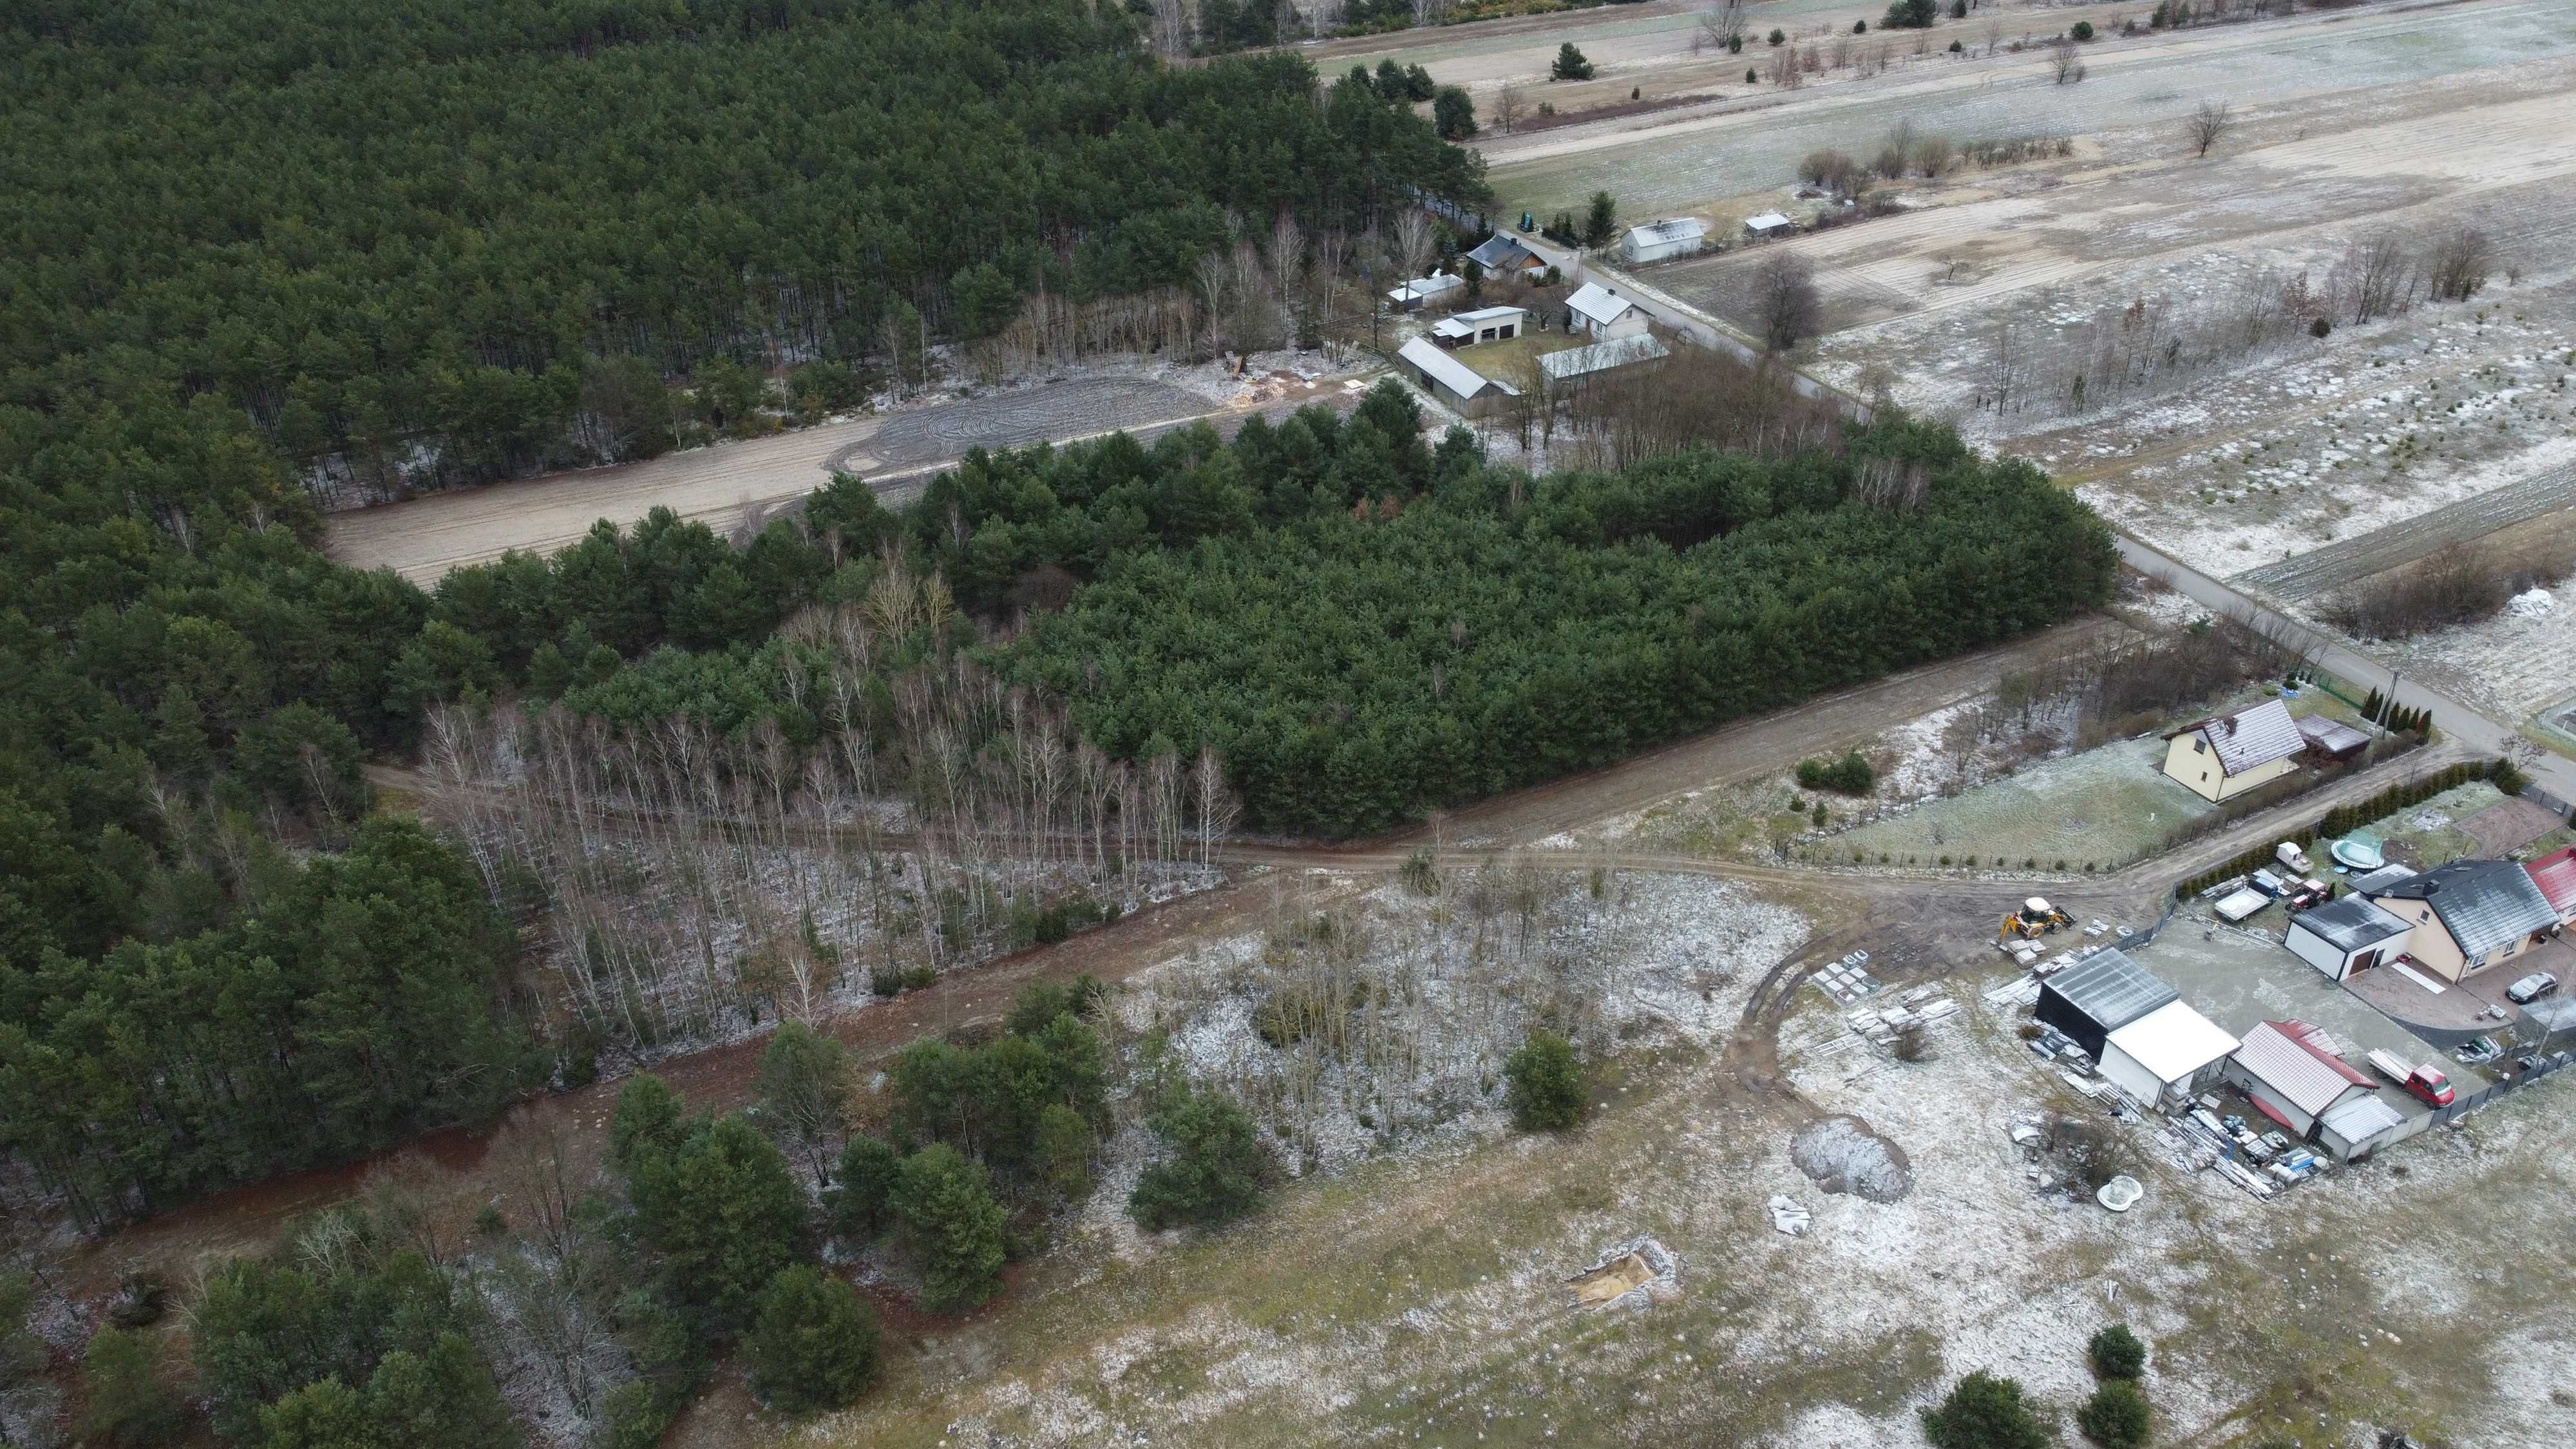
(2102, 807)
(1507, 359)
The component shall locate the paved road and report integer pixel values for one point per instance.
(2339, 563)
(2470, 728)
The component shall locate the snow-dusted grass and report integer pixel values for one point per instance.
(1422, 1298)
(2104, 806)
(1406, 1005)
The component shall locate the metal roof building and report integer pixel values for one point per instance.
(2099, 995)
(2354, 1127)
(1656, 240)
(2291, 1076)
(2332, 736)
(1485, 324)
(2555, 874)
(2346, 936)
(2169, 1053)
(1454, 383)
(1600, 357)
(1768, 224)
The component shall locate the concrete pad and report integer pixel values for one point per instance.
(2239, 980)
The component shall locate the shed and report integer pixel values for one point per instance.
(2221, 758)
(1659, 240)
(2555, 875)
(2331, 739)
(2475, 914)
(1576, 362)
(1485, 324)
(2346, 936)
(2358, 1126)
(2099, 995)
(1600, 313)
(1410, 296)
(2166, 1055)
(1459, 387)
(1505, 256)
(1766, 225)
(2288, 1071)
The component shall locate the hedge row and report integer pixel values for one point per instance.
(2346, 818)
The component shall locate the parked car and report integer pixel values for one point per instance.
(2531, 988)
(2479, 1049)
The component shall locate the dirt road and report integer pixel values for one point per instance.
(724, 484)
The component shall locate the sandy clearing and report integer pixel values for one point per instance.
(423, 538)
(2410, 170)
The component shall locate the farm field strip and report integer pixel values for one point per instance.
(1674, 166)
(2334, 565)
(2296, 189)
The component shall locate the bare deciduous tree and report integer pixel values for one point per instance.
(1785, 300)
(2376, 276)
(2066, 60)
(2460, 264)
(2211, 122)
(1509, 105)
(1413, 241)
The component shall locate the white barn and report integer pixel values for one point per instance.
(1661, 240)
(2167, 1055)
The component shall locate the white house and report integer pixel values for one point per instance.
(1597, 312)
(2347, 936)
(1584, 361)
(1766, 225)
(2167, 1055)
(1459, 387)
(1485, 324)
(1660, 240)
(2220, 759)
(1411, 295)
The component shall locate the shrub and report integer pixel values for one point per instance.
(813, 1344)
(1957, 47)
(1779, 37)
(2320, 327)
(1752, 76)
(2082, 30)
(2117, 1353)
(1911, 14)
(1546, 1092)
(1860, 27)
(1569, 65)
(856, 1204)
(1851, 775)
(1984, 1412)
(488, 1222)
(953, 1225)
(130, 1405)
(2116, 1416)
(1217, 1168)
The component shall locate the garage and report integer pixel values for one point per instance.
(2346, 936)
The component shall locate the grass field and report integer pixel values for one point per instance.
(2102, 807)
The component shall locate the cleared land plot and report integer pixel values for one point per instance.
(1674, 167)
(424, 538)
(2102, 807)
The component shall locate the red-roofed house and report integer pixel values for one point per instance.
(2555, 874)
(2293, 1076)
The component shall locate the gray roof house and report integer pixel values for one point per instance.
(1658, 240)
(2223, 757)
(1598, 312)
(2481, 913)
(1457, 386)
(1504, 256)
